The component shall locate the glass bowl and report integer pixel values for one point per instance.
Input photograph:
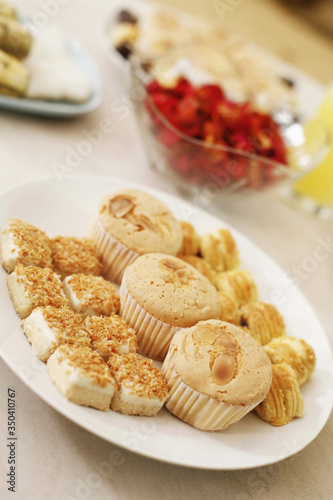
(197, 167)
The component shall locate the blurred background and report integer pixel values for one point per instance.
(298, 31)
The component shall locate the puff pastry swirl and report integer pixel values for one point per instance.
(284, 400)
(296, 353)
(263, 321)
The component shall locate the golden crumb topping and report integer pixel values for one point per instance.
(33, 246)
(75, 255)
(110, 333)
(95, 291)
(87, 362)
(42, 286)
(139, 375)
(67, 325)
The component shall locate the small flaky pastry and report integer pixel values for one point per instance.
(202, 265)
(238, 284)
(263, 321)
(229, 309)
(296, 353)
(220, 250)
(191, 239)
(284, 400)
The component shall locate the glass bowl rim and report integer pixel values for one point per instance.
(137, 61)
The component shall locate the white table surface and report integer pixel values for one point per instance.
(56, 458)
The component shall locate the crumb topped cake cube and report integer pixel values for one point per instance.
(75, 255)
(48, 327)
(25, 244)
(110, 334)
(91, 295)
(30, 287)
(82, 376)
(140, 387)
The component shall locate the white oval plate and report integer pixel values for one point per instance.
(61, 109)
(68, 207)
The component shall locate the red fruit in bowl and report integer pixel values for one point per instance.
(209, 96)
(187, 110)
(167, 136)
(182, 88)
(211, 132)
(204, 113)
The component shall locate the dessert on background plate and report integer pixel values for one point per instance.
(47, 70)
(54, 74)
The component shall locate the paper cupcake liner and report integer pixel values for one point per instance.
(153, 336)
(199, 410)
(115, 255)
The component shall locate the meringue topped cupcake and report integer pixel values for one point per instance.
(131, 223)
(160, 294)
(216, 373)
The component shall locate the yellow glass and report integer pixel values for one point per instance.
(318, 185)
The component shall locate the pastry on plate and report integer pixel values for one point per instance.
(220, 250)
(131, 223)
(229, 309)
(140, 387)
(110, 335)
(237, 284)
(75, 255)
(296, 353)
(284, 400)
(201, 265)
(82, 376)
(31, 286)
(191, 239)
(91, 295)
(263, 321)
(160, 294)
(216, 373)
(23, 243)
(48, 327)
(7, 10)
(15, 39)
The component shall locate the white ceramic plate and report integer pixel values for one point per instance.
(68, 207)
(309, 92)
(61, 109)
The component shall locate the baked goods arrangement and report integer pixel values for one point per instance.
(186, 328)
(35, 62)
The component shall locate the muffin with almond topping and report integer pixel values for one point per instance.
(159, 295)
(216, 373)
(131, 223)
